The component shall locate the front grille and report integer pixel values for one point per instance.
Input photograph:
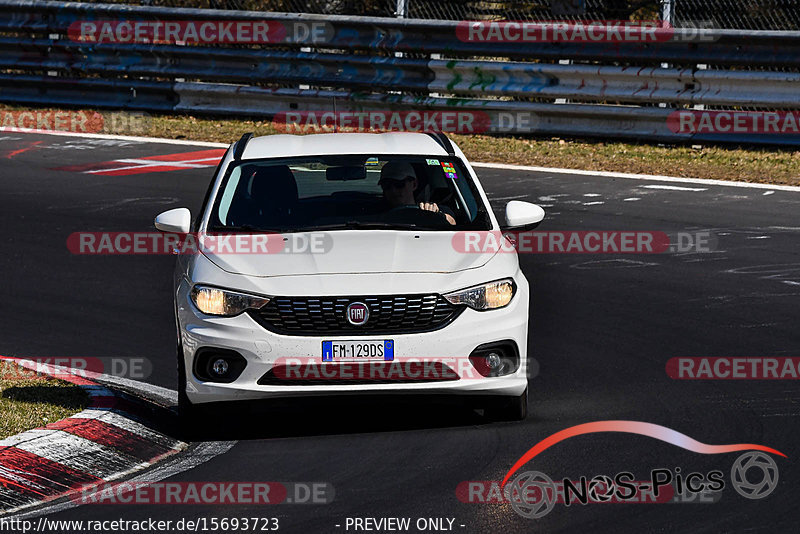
(388, 314)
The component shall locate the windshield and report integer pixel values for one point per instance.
(348, 192)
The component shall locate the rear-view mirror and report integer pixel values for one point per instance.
(344, 174)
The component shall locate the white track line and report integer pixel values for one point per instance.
(629, 176)
(145, 163)
(118, 137)
(674, 187)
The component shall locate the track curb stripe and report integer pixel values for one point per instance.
(17, 497)
(40, 474)
(79, 453)
(112, 437)
(128, 424)
(107, 441)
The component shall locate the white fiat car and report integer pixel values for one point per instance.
(347, 263)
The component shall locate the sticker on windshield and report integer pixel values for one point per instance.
(449, 170)
(372, 161)
(433, 162)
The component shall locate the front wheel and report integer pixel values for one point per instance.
(502, 408)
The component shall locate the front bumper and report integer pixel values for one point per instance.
(263, 349)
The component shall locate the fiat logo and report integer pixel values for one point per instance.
(357, 313)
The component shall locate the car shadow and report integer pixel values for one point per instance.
(317, 416)
(305, 416)
(68, 398)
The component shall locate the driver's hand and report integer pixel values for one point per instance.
(432, 206)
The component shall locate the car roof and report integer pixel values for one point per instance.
(283, 145)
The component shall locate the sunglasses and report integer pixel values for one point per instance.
(395, 184)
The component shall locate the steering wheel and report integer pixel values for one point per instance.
(415, 215)
(404, 207)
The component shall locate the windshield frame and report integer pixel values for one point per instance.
(484, 219)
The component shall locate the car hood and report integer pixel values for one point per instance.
(351, 252)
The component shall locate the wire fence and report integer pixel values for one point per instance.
(729, 14)
(541, 10)
(741, 14)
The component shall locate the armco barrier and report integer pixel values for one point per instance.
(605, 89)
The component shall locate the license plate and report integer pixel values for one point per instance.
(356, 351)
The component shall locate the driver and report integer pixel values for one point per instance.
(399, 181)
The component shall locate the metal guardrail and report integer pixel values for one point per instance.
(719, 47)
(607, 89)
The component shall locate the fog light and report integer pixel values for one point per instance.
(212, 364)
(500, 358)
(220, 367)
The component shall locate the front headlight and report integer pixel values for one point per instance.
(485, 297)
(215, 301)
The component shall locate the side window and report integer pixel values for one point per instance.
(227, 195)
(201, 212)
(469, 198)
(454, 173)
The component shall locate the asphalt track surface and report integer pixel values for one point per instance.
(602, 329)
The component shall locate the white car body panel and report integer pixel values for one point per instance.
(360, 262)
(359, 251)
(263, 348)
(279, 146)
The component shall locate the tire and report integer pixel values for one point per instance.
(503, 408)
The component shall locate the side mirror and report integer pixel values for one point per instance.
(177, 221)
(523, 216)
